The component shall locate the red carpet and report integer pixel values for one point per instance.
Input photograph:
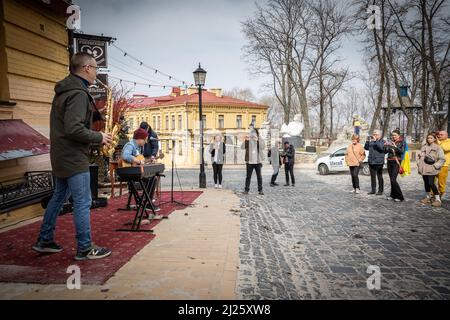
(19, 263)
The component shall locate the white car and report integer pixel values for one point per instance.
(335, 162)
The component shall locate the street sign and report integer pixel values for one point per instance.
(96, 46)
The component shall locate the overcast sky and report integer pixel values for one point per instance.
(175, 35)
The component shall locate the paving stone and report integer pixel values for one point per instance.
(309, 231)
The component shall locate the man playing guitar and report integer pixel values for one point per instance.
(132, 156)
(131, 152)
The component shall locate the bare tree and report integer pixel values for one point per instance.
(329, 24)
(240, 93)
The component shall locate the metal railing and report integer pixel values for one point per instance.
(29, 189)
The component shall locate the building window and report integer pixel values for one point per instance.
(167, 123)
(221, 122)
(159, 123)
(204, 121)
(180, 122)
(180, 148)
(254, 120)
(173, 122)
(131, 123)
(239, 122)
(154, 123)
(167, 147)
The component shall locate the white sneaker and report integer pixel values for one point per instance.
(220, 186)
(357, 191)
(353, 191)
(216, 186)
(389, 198)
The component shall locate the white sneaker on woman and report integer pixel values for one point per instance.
(220, 186)
(216, 186)
(357, 191)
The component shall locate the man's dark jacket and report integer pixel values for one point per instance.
(151, 148)
(289, 155)
(376, 151)
(70, 128)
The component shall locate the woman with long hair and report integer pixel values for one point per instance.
(217, 150)
(429, 162)
(395, 148)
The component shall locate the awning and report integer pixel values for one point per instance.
(19, 140)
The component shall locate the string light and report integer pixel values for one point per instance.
(126, 54)
(136, 69)
(150, 85)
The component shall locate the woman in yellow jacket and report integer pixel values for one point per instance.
(354, 157)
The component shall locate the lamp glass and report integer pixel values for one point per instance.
(199, 76)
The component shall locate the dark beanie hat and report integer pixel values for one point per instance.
(140, 134)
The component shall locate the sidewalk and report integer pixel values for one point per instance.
(194, 256)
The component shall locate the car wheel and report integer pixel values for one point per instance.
(323, 169)
(365, 169)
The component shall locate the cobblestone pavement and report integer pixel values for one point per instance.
(316, 240)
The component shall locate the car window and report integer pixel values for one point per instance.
(340, 153)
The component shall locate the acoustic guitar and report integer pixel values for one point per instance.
(139, 157)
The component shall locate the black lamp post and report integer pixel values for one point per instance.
(199, 77)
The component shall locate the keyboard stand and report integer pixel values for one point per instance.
(143, 202)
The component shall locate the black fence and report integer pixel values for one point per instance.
(31, 189)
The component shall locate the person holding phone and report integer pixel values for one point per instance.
(288, 156)
(375, 146)
(395, 148)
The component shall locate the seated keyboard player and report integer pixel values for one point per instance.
(131, 154)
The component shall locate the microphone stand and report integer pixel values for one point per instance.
(171, 188)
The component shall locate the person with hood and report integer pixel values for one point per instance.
(375, 146)
(71, 118)
(253, 147)
(395, 148)
(429, 162)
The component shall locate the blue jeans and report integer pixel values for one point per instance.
(79, 187)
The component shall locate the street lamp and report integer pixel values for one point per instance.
(199, 77)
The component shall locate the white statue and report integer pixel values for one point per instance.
(294, 128)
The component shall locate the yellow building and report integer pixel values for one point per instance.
(176, 120)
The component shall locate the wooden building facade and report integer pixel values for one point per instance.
(33, 57)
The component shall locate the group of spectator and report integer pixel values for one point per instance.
(432, 162)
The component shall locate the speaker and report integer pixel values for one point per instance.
(93, 170)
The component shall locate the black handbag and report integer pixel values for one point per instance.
(429, 159)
